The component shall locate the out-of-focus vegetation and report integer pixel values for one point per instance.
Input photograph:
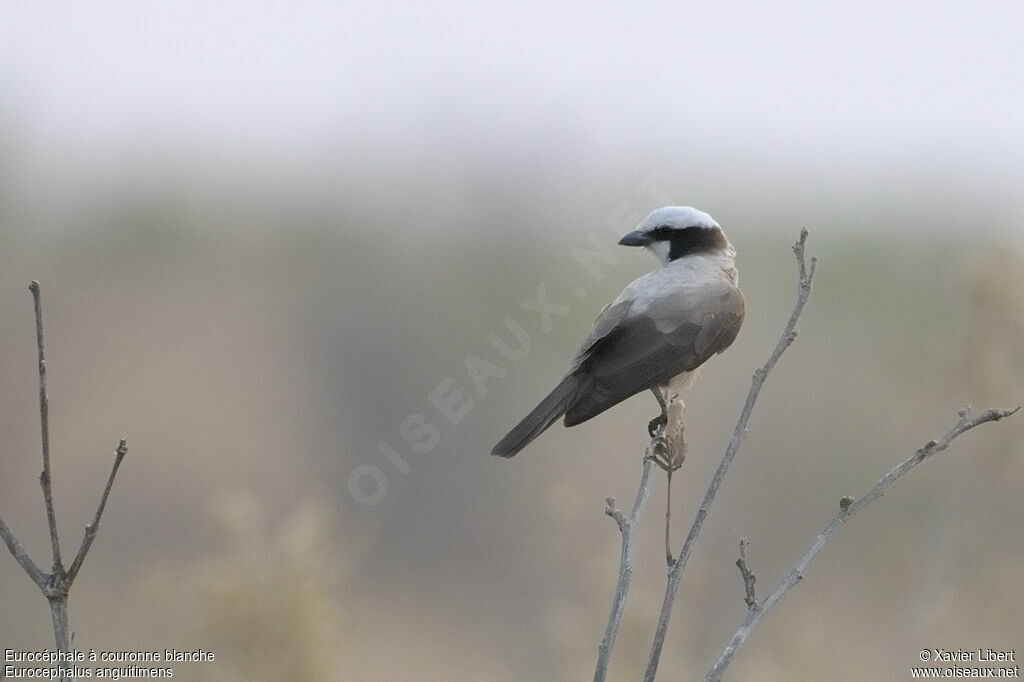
(256, 344)
(268, 234)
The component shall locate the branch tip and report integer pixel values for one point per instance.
(749, 579)
(55, 585)
(626, 525)
(847, 507)
(786, 338)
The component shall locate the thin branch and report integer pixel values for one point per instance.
(670, 453)
(626, 525)
(675, 571)
(93, 528)
(666, 449)
(668, 518)
(45, 478)
(749, 579)
(56, 585)
(61, 629)
(39, 577)
(847, 508)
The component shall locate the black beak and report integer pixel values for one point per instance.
(635, 238)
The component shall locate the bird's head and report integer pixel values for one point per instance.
(674, 232)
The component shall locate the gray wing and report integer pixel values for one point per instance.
(627, 354)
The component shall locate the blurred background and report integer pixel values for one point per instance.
(285, 251)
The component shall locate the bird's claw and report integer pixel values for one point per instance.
(656, 424)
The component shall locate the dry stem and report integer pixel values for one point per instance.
(56, 585)
(847, 508)
(675, 571)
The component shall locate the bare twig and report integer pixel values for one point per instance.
(672, 451)
(749, 579)
(667, 450)
(45, 478)
(675, 570)
(626, 525)
(847, 508)
(668, 518)
(93, 528)
(56, 585)
(39, 577)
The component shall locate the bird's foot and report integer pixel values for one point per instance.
(657, 424)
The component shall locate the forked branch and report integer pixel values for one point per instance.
(847, 508)
(675, 569)
(56, 584)
(626, 525)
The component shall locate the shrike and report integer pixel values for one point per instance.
(661, 328)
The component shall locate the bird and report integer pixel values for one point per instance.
(661, 328)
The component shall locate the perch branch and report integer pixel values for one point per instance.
(667, 449)
(847, 508)
(675, 571)
(671, 451)
(668, 518)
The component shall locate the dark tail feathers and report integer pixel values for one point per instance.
(542, 416)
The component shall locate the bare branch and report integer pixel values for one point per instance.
(847, 508)
(675, 571)
(668, 518)
(34, 572)
(667, 449)
(61, 629)
(669, 455)
(93, 528)
(45, 478)
(56, 585)
(626, 525)
(749, 579)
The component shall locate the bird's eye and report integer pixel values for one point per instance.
(662, 231)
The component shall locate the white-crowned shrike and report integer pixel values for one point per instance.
(661, 328)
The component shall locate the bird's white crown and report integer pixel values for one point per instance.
(679, 217)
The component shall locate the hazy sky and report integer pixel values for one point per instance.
(88, 74)
(871, 95)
